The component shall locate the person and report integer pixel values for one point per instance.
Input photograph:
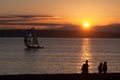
(105, 67)
(85, 68)
(100, 68)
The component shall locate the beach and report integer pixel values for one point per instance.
(74, 76)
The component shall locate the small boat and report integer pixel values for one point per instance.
(31, 40)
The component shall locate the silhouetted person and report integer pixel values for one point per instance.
(85, 67)
(100, 68)
(105, 67)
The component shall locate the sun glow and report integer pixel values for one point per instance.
(86, 25)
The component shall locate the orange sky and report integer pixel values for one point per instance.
(97, 12)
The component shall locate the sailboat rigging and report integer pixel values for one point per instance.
(31, 40)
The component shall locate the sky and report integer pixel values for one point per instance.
(96, 12)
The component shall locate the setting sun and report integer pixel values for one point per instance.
(86, 25)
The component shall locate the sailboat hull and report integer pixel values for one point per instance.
(35, 47)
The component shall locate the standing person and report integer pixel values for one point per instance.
(105, 67)
(83, 69)
(100, 68)
(86, 67)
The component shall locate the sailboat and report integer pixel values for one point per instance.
(31, 40)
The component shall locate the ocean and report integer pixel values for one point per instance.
(60, 55)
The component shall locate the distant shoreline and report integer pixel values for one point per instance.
(92, 76)
(60, 34)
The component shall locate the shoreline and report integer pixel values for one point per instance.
(74, 76)
(60, 34)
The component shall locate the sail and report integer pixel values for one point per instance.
(35, 40)
(30, 38)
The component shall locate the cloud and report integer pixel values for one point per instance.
(30, 20)
(19, 18)
(70, 27)
(108, 28)
(41, 21)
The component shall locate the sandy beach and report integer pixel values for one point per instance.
(93, 76)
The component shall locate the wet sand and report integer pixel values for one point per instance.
(94, 76)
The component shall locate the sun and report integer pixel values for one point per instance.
(86, 25)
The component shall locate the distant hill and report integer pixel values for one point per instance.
(61, 33)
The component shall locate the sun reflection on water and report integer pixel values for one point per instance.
(85, 53)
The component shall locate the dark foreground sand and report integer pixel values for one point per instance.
(94, 76)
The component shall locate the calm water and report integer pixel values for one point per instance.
(61, 55)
